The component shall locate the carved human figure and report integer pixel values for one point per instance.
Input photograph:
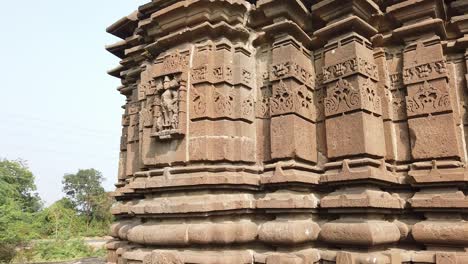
(169, 105)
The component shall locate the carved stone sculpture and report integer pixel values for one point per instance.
(296, 131)
(167, 106)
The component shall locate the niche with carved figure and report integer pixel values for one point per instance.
(166, 106)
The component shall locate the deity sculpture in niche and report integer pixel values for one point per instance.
(166, 111)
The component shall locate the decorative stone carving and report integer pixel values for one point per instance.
(398, 103)
(304, 98)
(292, 70)
(199, 74)
(167, 107)
(282, 99)
(427, 99)
(370, 98)
(175, 62)
(263, 103)
(342, 97)
(198, 102)
(286, 99)
(222, 73)
(319, 78)
(247, 106)
(224, 103)
(246, 76)
(349, 67)
(396, 80)
(426, 71)
(320, 103)
(216, 103)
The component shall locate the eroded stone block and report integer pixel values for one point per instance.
(433, 137)
(355, 134)
(292, 136)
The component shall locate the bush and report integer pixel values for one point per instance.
(58, 250)
(19, 205)
(7, 252)
(16, 229)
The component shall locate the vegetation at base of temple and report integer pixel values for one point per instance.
(57, 250)
(28, 231)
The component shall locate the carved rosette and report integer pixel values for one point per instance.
(304, 102)
(246, 77)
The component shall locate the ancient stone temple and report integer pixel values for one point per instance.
(292, 132)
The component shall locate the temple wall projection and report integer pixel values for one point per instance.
(292, 131)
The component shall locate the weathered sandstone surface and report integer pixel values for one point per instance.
(292, 131)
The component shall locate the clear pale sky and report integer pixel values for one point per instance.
(59, 109)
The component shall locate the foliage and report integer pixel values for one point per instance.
(18, 207)
(84, 212)
(84, 190)
(60, 220)
(56, 250)
(12, 221)
(17, 183)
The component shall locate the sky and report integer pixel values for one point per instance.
(59, 109)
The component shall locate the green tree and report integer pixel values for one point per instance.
(12, 222)
(60, 220)
(17, 183)
(18, 207)
(84, 190)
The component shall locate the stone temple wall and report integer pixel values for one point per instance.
(292, 131)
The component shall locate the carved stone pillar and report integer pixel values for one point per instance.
(354, 130)
(286, 118)
(434, 121)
